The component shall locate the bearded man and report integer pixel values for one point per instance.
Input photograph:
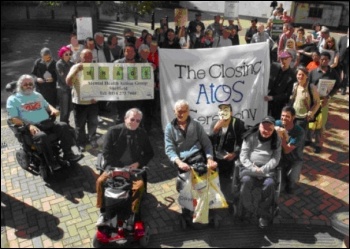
(29, 108)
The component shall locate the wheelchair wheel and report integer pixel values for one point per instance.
(96, 243)
(22, 159)
(183, 223)
(145, 239)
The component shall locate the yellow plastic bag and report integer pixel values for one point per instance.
(200, 198)
(317, 125)
(216, 197)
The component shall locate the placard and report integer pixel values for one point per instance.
(84, 27)
(324, 87)
(231, 10)
(120, 81)
(181, 17)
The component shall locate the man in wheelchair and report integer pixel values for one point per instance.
(126, 145)
(27, 108)
(259, 157)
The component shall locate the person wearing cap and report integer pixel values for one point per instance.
(259, 157)
(292, 137)
(44, 70)
(324, 71)
(251, 31)
(281, 81)
(192, 28)
(226, 137)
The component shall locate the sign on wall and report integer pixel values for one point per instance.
(207, 77)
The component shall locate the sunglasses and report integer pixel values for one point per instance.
(68, 54)
(137, 120)
(28, 84)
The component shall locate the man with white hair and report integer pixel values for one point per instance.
(29, 108)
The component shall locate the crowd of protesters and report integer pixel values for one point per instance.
(296, 70)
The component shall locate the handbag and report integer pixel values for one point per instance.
(317, 123)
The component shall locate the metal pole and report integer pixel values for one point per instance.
(152, 21)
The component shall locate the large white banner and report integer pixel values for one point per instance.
(119, 81)
(205, 78)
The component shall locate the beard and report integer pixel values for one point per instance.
(27, 91)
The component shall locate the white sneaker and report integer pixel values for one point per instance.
(101, 221)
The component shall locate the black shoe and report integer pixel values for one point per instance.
(73, 158)
(263, 222)
(289, 190)
(343, 91)
(317, 149)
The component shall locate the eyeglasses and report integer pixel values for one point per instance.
(28, 84)
(137, 120)
(68, 54)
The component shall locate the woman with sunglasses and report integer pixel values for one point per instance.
(63, 66)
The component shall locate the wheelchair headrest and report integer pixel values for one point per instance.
(11, 87)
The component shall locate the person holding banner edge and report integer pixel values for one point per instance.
(85, 111)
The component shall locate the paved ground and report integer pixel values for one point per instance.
(62, 213)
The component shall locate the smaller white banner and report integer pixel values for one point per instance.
(120, 81)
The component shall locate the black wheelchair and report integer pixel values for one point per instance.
(237, 207)
(31, 157)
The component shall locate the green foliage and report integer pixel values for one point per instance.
(50, 4)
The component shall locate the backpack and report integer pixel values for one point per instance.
(294, 92)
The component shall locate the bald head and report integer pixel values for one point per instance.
(86, 56)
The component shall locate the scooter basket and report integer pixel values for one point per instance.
(117, 197)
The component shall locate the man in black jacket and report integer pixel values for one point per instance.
(125, 145)
(282, 78)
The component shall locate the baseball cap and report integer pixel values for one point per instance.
(285, 54)
(268, 119)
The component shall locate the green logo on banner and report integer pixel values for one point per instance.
(146, 73)
(132, 73)
(88, 73)
(103, 73)
(118, 73)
